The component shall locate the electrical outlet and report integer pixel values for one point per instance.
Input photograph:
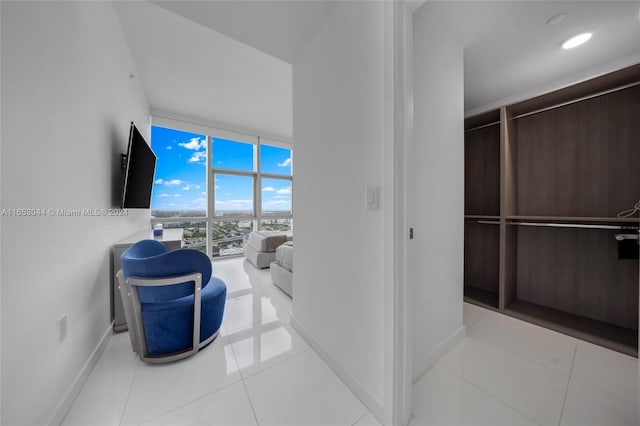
(62, 327)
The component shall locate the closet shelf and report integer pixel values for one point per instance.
(480, 297)
(600, 333)
(481, 217)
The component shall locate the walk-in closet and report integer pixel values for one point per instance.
(551, 232)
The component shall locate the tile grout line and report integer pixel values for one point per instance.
(126, 403)
(566, 392)
(242, 376)
(289, 358)
(535, 361)
(606, 392)
(360, 418)
(492, 396)
(253, 410)
(244, 384)
(526, 358)
(193, 401)
(208, 394)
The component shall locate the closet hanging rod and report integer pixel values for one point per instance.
(481, 127)
(584, 98)
(573, 225)
(489, 222)
(621, 237)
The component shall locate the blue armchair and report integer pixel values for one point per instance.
(173, 305)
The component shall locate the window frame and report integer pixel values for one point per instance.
(214, 132)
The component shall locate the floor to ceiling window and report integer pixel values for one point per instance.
(179, 197)
(244, 184)
(276, 178)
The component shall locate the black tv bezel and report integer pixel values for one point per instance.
(136, 137)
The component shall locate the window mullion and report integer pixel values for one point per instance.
(211, 195)
(257, 196)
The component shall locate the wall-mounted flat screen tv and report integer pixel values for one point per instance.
(139, 171)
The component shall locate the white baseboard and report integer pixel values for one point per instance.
(421, 366)
(76, 386)
(370, 401)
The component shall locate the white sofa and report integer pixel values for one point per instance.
(260, 249)
(282, 268)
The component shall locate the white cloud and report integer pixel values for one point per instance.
(194, 144)
(169, 147)
(281, 191)
(165, 195)
(285, 163)
(172, 182)
(198, 156)
(284, 191)
(190, 186)
(200, 201)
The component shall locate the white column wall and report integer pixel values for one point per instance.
(67, 100)
(436, 191)
(339, 132)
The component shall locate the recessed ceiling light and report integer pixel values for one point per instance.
(556, 18)
(576, 41)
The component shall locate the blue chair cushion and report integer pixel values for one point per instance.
(167, 311)
(169, 325)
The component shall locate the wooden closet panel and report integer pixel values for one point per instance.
(482, 171)
(580, 159)
(508, 265)
(481, 256)
(577, 271)
(626, 76)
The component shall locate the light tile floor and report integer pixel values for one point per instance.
(260, 371)
(509, 372)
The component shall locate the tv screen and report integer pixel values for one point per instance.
(139, 171)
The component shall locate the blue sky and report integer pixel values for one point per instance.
(180, 179)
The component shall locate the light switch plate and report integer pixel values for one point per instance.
(371, 198)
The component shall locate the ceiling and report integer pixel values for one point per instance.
(189, 70)
(230, 61)
(280, 28)
(511, 53)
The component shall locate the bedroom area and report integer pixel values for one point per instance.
(462, 193)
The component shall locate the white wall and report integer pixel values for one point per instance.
(67, 100)
(436, 191)
(338, 128)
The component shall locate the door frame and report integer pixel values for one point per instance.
(398, 376)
